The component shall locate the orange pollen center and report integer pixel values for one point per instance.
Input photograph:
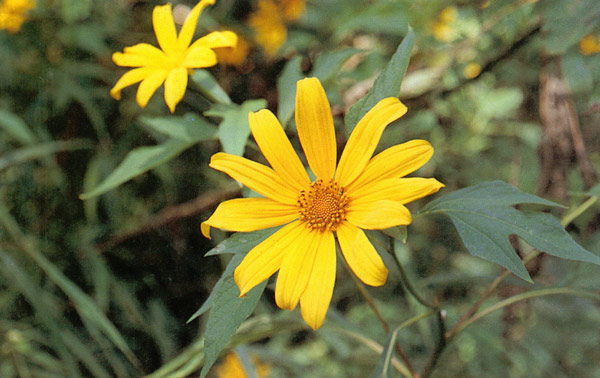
(323, 206)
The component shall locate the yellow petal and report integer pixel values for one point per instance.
(277, 149)
(216, 40)
(360, 255)
(139, 55)
(315, 300)
(256, 176)
(164, 28)
(396, 161)
(297, 266)
(378, 215)
(315, 127)
(199, 57)
(189, 25)
(175, 85)
(265, 259)
(149, 86)
(249, 214)
(129, 78)
(401, 190)
(365, 137)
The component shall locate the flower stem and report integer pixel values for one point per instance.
(386, 327)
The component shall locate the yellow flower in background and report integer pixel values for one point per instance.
(232, 368)
(269, 20)
(589, 45)
(233, 56)
(13, 14)
(361, 193)
(471, 70)
(442, 27)
(175, 59)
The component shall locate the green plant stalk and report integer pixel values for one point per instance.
(573, 214)
(386, 327)
(527, 295)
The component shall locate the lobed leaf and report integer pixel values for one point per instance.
(206, 83)
(484, 218)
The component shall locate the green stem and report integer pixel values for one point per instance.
(363, 291)
(527, 295)
(573, 214)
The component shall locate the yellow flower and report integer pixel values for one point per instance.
(362, 193)
(233, 56)
(442, 28)
(268, 22)
(13, 13)
(268, 25)
(589, 45)
(471, 70)
(232, 368)
(173, 61)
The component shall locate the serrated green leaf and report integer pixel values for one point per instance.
(484, 218)
(286, 89)
(142, 159)
(206, 83)
(228, 311)
(241, 242)
(234, 129)
(387, 83)
(328, 63)
(16, 127)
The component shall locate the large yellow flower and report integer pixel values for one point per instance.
(173, 61)
(362, 193)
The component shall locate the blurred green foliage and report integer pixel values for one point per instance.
(104, 287)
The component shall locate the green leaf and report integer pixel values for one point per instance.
(188, 132)
(227, 313)
(484, 218)
(16, 127)
(328, 63)
(206, 83)
(286, 89)
(234, 129)
(38, 151)
(387, 83)
(241, 242)
(190, 127)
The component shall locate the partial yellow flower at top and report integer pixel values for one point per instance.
(232, 368)
(175, 59)
(361, 193)
(471, 70)
(589, 45)
(13, 14)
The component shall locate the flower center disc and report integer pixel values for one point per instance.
(323, 206)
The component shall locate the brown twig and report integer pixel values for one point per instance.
(170, 214)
